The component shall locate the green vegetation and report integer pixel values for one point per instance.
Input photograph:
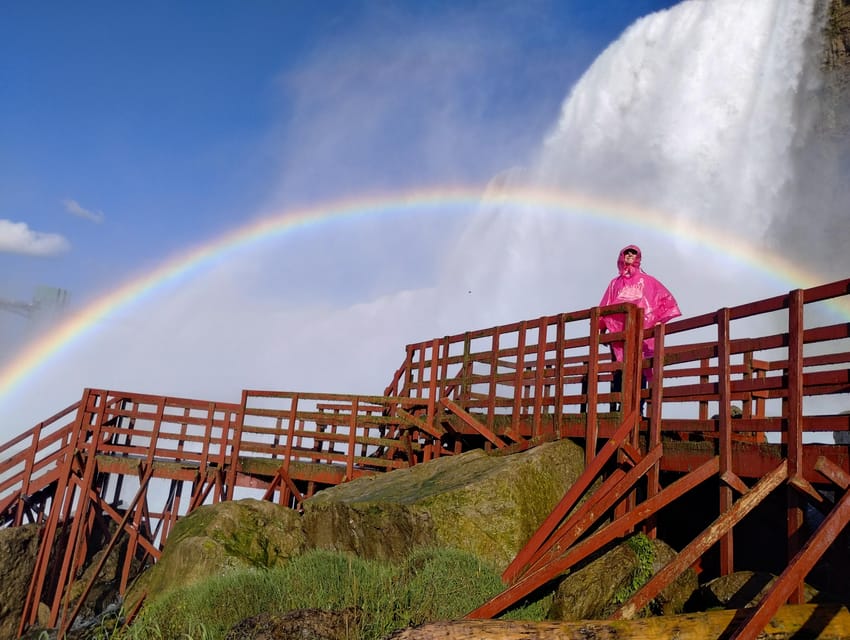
(431, 585)
(645, 553)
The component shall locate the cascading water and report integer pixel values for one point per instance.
(695, 113)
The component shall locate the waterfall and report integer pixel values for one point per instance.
(694, 114)
(692, 110)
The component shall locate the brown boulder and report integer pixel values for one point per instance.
(739, 590)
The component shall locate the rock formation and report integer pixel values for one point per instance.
(18, 550)
(488, 505)
(222, 537)
(596, 590)
(836, 65)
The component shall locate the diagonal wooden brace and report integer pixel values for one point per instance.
(282, 477)
(686, 557)
(408, 418)
(832, 471)
(735, 482)
(81, 599)
(472, 422)
(804, 486)
(796, 570)
(634, 456)
(619, 527)
(584, 518)
(571, 497)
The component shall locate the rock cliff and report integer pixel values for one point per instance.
(836, 70)
(838, 35)
(18, 550)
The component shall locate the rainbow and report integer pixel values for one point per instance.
(84, 322)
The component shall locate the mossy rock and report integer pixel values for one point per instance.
(597, 589)
(18, 552)
(222, 537)
(485, 504)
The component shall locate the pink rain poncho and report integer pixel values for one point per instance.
(637, 287)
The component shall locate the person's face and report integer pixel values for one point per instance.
(629, 256)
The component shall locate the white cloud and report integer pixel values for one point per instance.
(17, 237)
(73, 207)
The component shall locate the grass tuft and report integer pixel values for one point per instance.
(435, 584)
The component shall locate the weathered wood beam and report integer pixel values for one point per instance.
(696, 548)
(813, 622)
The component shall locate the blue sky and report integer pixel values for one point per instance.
(132, 131)
(130, 134)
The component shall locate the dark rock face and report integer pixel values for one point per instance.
(739, 590)
(838, 35)
(18, 551)
(836, 71)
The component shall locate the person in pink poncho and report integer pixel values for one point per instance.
(635, 286)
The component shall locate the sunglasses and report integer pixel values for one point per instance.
(629, 252)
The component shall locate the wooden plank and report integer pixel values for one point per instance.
(813, 622)
(571, 497)
(727, 544)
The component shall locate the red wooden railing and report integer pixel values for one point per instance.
(143, 461)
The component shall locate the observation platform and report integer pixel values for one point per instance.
(746, 401)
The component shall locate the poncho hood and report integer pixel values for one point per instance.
(628, 271)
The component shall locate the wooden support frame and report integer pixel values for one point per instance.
(516, 382)
(702, 543)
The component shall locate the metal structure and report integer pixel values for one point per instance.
(131, 464)
(18, 307)
(46, 301)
